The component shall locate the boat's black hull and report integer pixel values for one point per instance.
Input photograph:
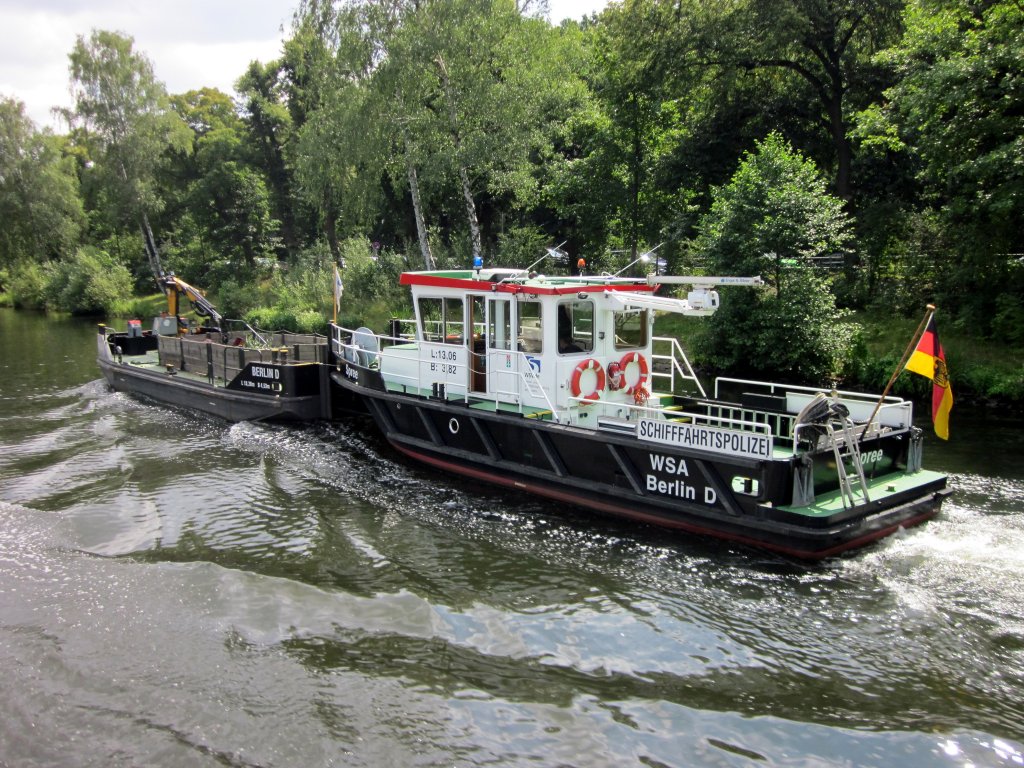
(614, 474)
(279, 391)
(219, 401)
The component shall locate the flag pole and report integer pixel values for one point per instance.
(334, 294)
(899, 367)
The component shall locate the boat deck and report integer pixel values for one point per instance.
(782, 450)
(879, 490)
(150, 361)
(488, 405)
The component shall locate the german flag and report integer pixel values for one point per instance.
(929, 361)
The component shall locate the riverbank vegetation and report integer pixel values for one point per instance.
(863, 157)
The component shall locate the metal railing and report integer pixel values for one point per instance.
(452, 384)
(678, 363)
(894, 412)
(705, 418)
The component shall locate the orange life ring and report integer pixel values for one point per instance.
(645, 371)
(590, 364)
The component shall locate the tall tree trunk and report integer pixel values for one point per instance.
(417, 206)
(151, 252)
(467, 191)
(148, 241)
(634, 192)
(331, 228)
(841, 144)
(474, 224)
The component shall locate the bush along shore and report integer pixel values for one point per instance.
(983, 371)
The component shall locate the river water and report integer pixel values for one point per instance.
(177, 591)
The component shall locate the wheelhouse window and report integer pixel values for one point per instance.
(499, 323)
(575, 327)
(454, 322)
(441, 320)
(530, 330)
(631, 328)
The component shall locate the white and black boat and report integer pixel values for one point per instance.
(237, 375)
(556, 386)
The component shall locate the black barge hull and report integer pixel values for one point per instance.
(297, 392)
(209, 399)
(690, 491)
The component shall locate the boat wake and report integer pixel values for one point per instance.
(976, 542)
(959, 577)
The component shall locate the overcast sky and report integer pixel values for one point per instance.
(191, 43)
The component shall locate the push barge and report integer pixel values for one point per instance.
(556, 386)
(237, 375)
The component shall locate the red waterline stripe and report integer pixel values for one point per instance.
(658, 521)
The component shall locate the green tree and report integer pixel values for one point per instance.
(39, 201)
(828, 45)
(223, 223)
(774, 218)
(477, 89)
(456, 104)
(272, 133)
(89, 281)
(124, 115)
(339, 153)
(955, 116)
(739, 70)
(611, 178)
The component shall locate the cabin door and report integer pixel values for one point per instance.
(502, 381)
(476, 340)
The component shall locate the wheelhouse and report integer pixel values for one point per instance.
(525, 340)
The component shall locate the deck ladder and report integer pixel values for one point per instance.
(850, 449)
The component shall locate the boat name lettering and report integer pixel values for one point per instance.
(680, 489)
(265, 372)
(870, 457)
(669, 464)
(676, 468)
(351, 373)
(730, 441)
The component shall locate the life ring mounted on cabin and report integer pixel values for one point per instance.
(590, 364)
(645, 371)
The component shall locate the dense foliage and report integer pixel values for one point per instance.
(857, 153)
(775, 218)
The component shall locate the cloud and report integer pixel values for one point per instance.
(191, 43)
(574, 9)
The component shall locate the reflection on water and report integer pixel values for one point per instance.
(179, 591)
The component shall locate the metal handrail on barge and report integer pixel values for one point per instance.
(678, 362)
(694, 417)
(893, 415)
(461, 390)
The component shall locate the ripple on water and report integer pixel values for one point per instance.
(299, 595)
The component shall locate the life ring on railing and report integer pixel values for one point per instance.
(590, 364)
(645, 371)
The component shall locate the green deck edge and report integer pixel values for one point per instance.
(490, 406)
(153, 364)
(879, 489)
(529, 412)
